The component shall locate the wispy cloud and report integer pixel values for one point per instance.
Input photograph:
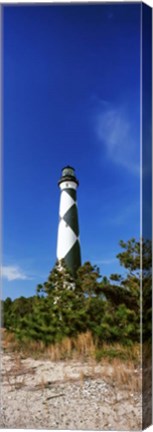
(13, 273)
(115, 130)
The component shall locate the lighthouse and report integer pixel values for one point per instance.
(68, 243)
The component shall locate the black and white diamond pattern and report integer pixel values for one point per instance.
(68, 245)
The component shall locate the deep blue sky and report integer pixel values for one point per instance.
(71, 96)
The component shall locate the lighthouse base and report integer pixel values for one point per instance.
(73, 258)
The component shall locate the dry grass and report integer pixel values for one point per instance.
(80, 348)
(118, 351)
(15, 376)
(123, 375)
(8, 340)
(69, 348)
(119, 365)
(84, 345)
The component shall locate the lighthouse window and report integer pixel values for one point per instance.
(67, 184)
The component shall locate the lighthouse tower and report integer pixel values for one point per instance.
(68, 244)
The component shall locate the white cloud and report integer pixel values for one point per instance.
(115, 130)
(13, 273)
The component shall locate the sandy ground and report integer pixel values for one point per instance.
(40, 394)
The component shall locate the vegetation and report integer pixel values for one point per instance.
(66, 309)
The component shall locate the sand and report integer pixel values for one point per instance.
(41, 394)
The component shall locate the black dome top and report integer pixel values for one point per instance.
(68, 173)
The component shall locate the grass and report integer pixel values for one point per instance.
(118, 351)
(81, 348)
(118, 365)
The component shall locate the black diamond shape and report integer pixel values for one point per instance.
(71, 218)
(71, 192)
(73, 257)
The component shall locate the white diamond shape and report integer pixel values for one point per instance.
(65, 203)
(66, 239)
